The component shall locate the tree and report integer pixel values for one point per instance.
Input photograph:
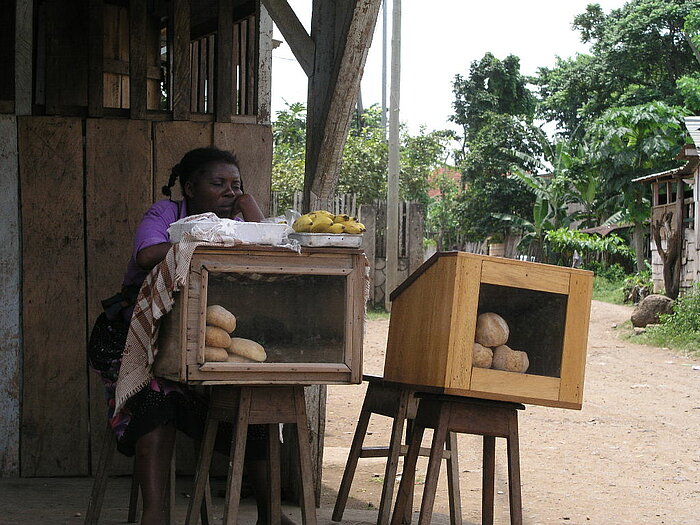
(365, 157)
(494, 107)
(629, 142)
(638, 54)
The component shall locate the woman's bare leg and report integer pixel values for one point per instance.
(153, 454)
(256, 471)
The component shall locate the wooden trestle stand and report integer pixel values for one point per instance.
(260, 405)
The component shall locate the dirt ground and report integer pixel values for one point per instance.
(630, 456)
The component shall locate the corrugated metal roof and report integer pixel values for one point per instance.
(692, 124)
(662, 174)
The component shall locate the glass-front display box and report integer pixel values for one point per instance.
(266, 315)
(493, 328)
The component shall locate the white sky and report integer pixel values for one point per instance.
(441, 42)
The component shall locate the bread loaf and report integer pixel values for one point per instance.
(215, 336)
(247, 348)
(212, 353)
(219, 316)
(235, 358)
(491, 330)
(481, 356)
(504, 358)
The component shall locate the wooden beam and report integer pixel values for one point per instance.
(10, 298)
(347, 86)
(293, 31)
(23, 56)
(181, 88)
(264, 66)
(138, 65)
(224, 70)
(96, 58)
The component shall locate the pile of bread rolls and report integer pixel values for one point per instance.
(490, 349)
(220, 346)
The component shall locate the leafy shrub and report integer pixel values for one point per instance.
(566, 242)
(637, 286)
(681, 329)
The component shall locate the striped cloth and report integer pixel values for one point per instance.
(155, 299)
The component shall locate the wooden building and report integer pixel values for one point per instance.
(98, 100)
(675, 219)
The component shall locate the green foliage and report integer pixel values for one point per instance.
(564, 242)
(442, 222)
(681, 329)
(608, 291)
(365, 157)
(638, 53)
(638, 285)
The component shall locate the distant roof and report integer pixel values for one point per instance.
(692, 124)
(604, 230)
(686, 169)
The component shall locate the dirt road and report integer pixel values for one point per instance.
(631, 456)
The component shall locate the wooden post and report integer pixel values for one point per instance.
(293, 32)
(264, 65)
(392, 201)
(224, 71)
(10, 298)
(180, 90)
(24, 31)
(96, 58)
(345, 91)
(138, 87)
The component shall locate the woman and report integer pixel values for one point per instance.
(211, 182)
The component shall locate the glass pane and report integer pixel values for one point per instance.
(536, 321)
(296, 318)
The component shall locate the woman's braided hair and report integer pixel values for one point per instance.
(193, 163)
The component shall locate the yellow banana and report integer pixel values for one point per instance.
(323, 213)
(336, 228)
(321, 224)
(302, 224)
(354, 227)
(341, 218)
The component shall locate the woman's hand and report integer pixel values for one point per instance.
(248, 207)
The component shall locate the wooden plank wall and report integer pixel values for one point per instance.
(250, 143)
(118, 190)
(54, 402)
(7, 56)
(10, 339)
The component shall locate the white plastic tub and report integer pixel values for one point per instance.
(246, 232)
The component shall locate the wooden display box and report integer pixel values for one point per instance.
(307, 310)
(433, 323)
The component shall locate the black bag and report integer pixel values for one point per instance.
(106, 346)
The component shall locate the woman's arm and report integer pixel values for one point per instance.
(248, 207)
(147, 258)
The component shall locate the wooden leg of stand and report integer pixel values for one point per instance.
(308, 501)
(453, 480)
(237, 459)
(109, 445)
(488, 475)
(405, 494)
(133, 499)
(274, 504)
(392, 461)
(434, 463)
(351, 465)
(170, 492)
(516, 516)
(201, 478)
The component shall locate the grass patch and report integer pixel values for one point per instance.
(377, 312)
(608, 291)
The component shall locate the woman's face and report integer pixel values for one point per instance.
(214, 189)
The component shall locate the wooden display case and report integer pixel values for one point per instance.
(433, 323)
(307, 311)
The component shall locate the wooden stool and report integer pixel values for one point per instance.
(444, 414)
(109, 446)
(245, 405)
(397, 401)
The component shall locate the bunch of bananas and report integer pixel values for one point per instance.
(322, 221)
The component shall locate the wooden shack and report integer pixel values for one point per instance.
(102, 99)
